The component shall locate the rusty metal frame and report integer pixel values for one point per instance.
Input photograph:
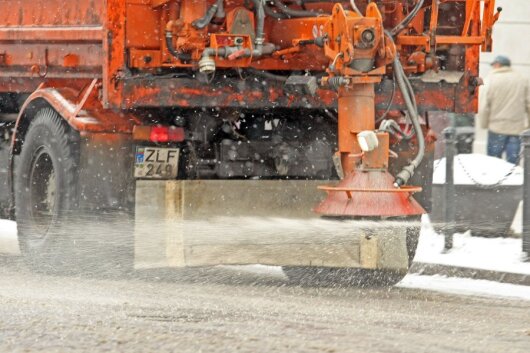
(121, 90)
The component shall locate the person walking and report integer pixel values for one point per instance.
(504, 109)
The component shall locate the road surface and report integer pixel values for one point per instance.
(234, 310)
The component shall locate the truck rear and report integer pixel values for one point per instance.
(199, 119)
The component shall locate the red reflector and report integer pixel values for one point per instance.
(163, 134)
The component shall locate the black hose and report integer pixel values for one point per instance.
(266, 74)
(259, 9)
(410, 101)
(171, 49)
(205, 20)
(406, 21)
(390, 101)
(293, 13)
(271, 13)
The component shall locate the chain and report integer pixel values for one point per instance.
(475, 181)
(499, 182)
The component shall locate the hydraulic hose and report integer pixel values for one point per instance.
(403, 24)
(287, 12)
(393, 127)
(171, 48)
(293, 13)
(266, 74)
(205, 20)
(271, 13)
(260, 25)
(410, 101)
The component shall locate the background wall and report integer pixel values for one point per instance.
(511, 37)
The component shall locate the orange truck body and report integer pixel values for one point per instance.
(79, 40)
(105, 67)
(239, 108)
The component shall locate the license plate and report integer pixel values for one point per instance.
(156, 162)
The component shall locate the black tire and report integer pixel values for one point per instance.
(6, 127)
(354, 277)
(341, 277)
(413, 237)
(55, 235)
(46, 192)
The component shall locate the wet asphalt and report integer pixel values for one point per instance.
(232, 310)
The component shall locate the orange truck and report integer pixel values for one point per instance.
(199, 119)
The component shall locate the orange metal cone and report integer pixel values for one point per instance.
(369, 194)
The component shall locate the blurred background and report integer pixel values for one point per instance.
(510, 38)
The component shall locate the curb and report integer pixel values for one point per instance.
(429, 269)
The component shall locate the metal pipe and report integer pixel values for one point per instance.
(526, 192)
(449, 187)
(356, 112)
(207, 62)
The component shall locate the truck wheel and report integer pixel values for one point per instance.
(46, 191)
(357, 277)
(342, 277)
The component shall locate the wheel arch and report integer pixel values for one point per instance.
(80, 108)
(24, 119)
(28, 111)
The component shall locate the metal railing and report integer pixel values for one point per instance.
(525, 139)
(450, 137)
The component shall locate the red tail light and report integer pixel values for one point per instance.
(159, 134)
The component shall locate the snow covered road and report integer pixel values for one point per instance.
(253, 309)
(500, 254)
(246, 310)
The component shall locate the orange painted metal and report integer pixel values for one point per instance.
(366, 189)
(405, 189)
(356, 112)
(378, 158)
(100, 62)
(79, 39)
(358, 202)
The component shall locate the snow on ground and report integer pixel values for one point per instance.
(495, 254)
(451, 285)
(484, 169)
(466, 286)
(8, 237)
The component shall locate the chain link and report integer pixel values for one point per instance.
(494, 185)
